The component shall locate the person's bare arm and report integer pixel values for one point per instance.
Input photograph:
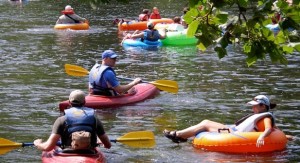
(124, 88)
(49, 144)
(105, 140)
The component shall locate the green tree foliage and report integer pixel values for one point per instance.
(245, 24)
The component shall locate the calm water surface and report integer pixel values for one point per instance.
(33, 82)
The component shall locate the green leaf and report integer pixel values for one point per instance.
(201, 46)
(190, 16)
(251, 60)
(247, 48)
(221, 18)
(297, 47)
(192, 28)
(280, 39)
(287, 49)
(243, 3)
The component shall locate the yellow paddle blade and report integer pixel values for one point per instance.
(166, 85)
(74, 70)
(138, 139)
(7, 145)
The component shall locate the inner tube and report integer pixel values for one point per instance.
(239, 142)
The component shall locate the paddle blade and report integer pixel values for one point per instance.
(74, 70)
(138, 139)
(7, 145)
(166, 85)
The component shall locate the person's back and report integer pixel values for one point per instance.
(69, 17)
(78, 129)
(149, 34)
(152, 34)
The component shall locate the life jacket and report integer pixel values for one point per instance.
(79, 119)
(143, 17)
(95, 80)
(155, 16)
(67, 12)
(249, 124)
(151, 35)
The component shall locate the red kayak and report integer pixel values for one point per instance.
(55, 156)
(143, 91)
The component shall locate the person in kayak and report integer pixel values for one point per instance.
(149, 34)
(78, 129)
(260, 106)
(69, 17)
(103, 80)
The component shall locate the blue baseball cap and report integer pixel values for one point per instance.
(109, 54)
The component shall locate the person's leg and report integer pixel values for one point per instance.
(205, 125)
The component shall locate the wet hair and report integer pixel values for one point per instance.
(145, 11)
(176, 19)
(272, 106)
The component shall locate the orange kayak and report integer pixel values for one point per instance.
(141, 25)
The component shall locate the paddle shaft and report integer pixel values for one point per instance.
(58, 143)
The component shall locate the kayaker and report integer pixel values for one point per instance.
(149, 34)
(78, 129)
(69, 17)
(260, 106)
(155, 13)
(103, 80)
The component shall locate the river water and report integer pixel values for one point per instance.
(33, 82)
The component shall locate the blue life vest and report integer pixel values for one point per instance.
(151, 35)
(80, 119)
(95, 80)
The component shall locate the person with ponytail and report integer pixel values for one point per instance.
(260, 106)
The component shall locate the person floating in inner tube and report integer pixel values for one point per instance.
(149, 34)
(260, 106)
(155, 13)
(69, 17)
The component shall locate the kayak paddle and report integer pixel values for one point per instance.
(136, 139)
(164, 85)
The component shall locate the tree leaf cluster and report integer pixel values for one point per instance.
(244, 25)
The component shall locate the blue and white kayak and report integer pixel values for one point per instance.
(137, 43)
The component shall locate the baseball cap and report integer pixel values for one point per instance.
(77, 97)
(150, 25)
(260, 99)
(68, 7)
(109, 54)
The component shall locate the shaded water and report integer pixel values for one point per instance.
(33, 82)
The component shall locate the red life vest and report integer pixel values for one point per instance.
(143, 17)
(155, 16)
(67, 12)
